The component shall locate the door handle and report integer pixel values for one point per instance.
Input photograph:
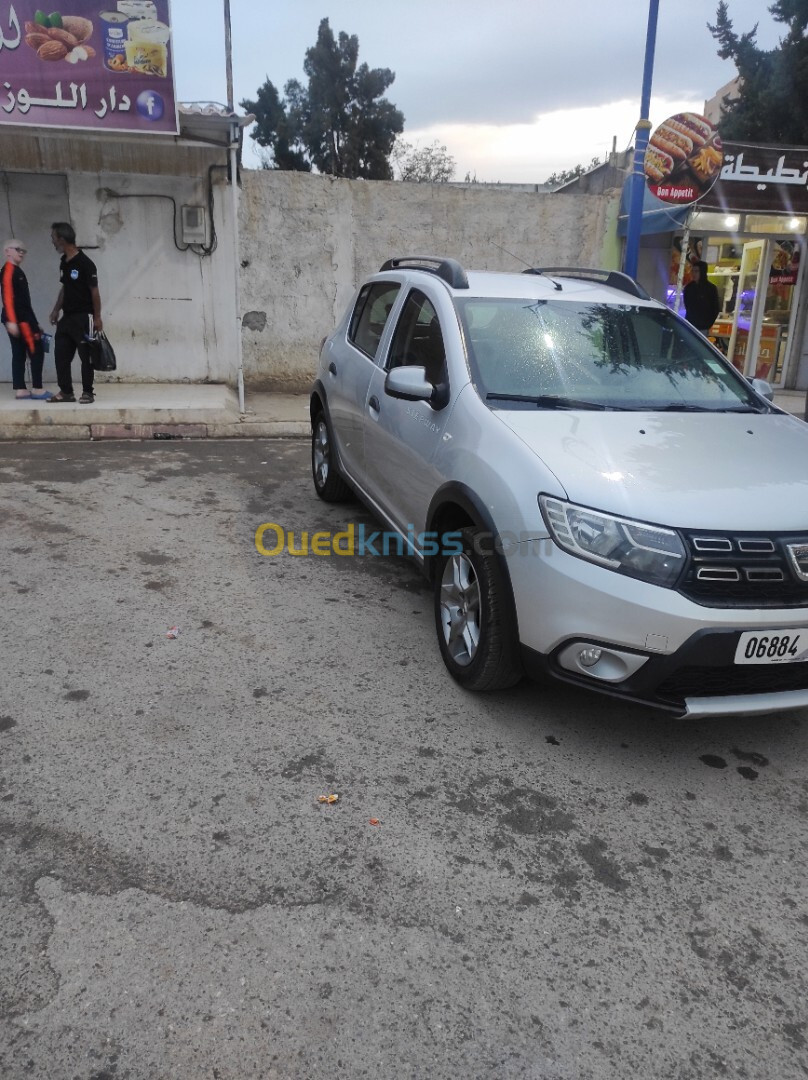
(373, 403)
(332, 367)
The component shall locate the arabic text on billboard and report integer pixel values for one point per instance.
(106, 67)
(761, 179)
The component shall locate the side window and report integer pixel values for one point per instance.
(417, 340)
(370, 315)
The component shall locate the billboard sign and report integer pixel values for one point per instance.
(683, 158)
(761, 179)
(88, 65)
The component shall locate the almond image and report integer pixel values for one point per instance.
(57, 34)
(52, 50)
(35, 40)
(80, 28)
(33, 28)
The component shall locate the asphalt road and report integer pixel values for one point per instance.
(558, 886)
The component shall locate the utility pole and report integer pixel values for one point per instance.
(640, 143)
(233, 148)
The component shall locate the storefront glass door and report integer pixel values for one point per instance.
(757, 283)
(744, 323)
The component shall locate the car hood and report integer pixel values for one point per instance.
(745, 471)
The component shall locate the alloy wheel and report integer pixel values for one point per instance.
(322, 454)
(460, 609)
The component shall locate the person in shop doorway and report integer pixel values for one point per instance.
(701, 299)
(21, 323)
(79, 303)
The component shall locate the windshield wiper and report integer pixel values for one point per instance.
(682, 406)
(552, 401)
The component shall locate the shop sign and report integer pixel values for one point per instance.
(683, 158)
(89, 66)
(761, 178)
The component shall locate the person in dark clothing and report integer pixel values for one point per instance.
(21, 323)
(80, 305)
(701, 299)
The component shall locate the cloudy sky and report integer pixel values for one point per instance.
(515, 89)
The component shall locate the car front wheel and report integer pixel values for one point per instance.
(475, 631)
(328, 483)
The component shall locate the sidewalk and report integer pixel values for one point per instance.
(185, 410)
(154, 410)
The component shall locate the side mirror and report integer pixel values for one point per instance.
(408, 383)
(763, 388)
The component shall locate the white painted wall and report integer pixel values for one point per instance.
(307, 240)
(170, 314)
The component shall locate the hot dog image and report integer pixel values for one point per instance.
(658, 164)
(672, 142)
(683, 158)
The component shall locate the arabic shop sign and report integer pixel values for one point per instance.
(761, 178)
(90, 65)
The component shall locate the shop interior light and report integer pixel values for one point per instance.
(794, 223)
(731, 222)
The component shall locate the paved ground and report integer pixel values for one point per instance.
(559, 886)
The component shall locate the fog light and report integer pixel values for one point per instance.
(602, 662)
(589, 657)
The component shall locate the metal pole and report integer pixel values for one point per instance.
(680, 277)
(231, 108)
(640, 144)
(228, 56)
(237, 270)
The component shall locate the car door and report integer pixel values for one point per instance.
(349, 363)
(401, 437)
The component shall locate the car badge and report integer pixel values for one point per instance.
(799, 560)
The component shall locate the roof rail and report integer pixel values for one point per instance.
(449, 270)
(613, 278)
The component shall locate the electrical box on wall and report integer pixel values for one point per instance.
(194, 225)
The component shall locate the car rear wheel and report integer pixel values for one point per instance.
(475, 632)
(328, 483)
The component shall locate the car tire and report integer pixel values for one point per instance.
(328, 483)
(474, 626)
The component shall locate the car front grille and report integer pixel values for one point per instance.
(737, 679)
(760, 570)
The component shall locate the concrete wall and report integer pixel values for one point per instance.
(307, 240)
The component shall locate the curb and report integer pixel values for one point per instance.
(270, 429)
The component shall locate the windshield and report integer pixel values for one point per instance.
(551, 354)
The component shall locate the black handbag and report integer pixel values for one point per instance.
(102, 355)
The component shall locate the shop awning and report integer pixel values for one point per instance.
(657, 216)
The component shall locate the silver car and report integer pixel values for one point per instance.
(591, 489)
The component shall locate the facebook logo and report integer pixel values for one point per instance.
(150, 104)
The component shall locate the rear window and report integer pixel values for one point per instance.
(370, 315)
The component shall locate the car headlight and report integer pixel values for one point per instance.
(629, 547)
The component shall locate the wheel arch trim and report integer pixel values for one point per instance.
(464, 497)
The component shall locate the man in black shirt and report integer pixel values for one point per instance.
(701, 299)
(80, 305)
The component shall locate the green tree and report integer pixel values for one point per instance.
(773, 82)
(565, 175)
(431, 164)
(340, 123)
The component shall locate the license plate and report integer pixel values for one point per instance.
(772, 647)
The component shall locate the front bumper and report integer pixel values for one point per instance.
(699, 679)
(668, 651)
